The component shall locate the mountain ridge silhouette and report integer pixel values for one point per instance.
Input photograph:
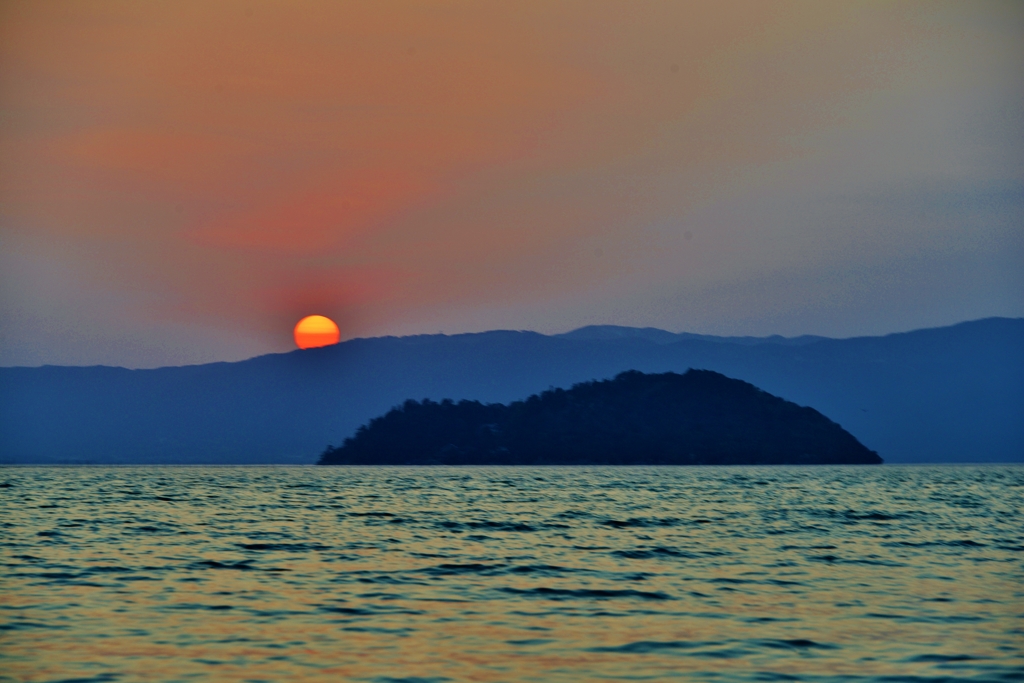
(948, 394)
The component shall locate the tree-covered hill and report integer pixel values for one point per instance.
(697, 418)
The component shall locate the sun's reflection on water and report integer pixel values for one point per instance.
(501, 574)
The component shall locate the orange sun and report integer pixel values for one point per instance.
(316, 330)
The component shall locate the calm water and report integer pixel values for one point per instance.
(512, 574)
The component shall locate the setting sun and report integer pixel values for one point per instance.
(316, 330)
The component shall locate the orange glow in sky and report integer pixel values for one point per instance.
(196, 176)
(316, 330)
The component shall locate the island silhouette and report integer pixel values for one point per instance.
(697, 418)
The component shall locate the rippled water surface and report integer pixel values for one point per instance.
(511, 574)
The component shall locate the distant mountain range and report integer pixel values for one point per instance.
(950, 394)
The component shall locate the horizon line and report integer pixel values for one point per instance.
(699, 337)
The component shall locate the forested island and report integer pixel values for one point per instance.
(697, 418)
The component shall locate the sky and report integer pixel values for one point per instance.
(182, 182)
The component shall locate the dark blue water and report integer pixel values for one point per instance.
(512, 574)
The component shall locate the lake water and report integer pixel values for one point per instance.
(512, 574)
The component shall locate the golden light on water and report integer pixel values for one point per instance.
(499, 574)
